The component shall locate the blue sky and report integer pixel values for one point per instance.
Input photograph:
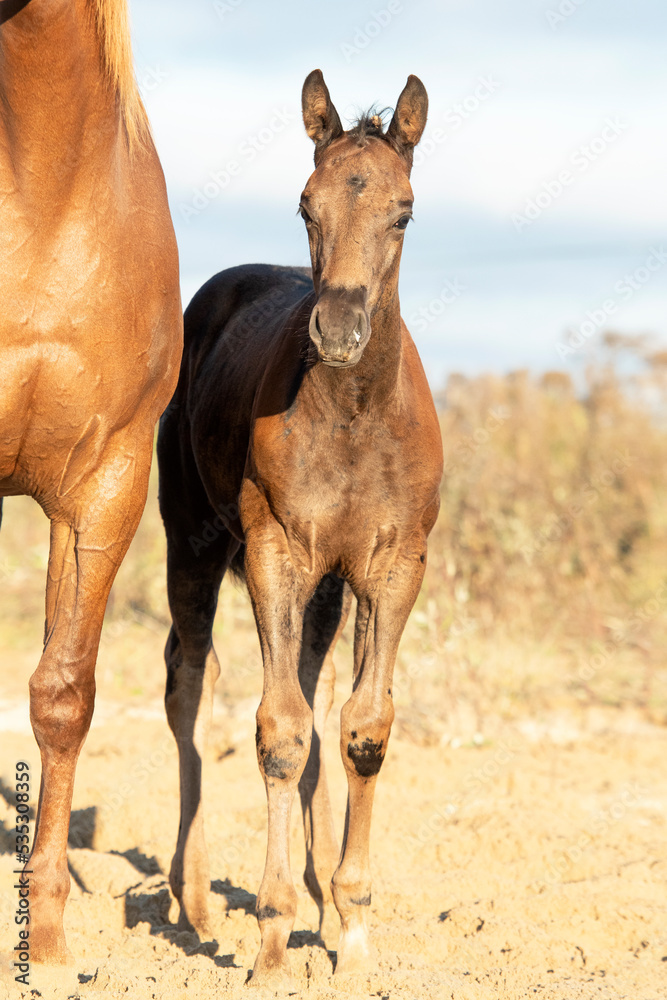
(539, 191)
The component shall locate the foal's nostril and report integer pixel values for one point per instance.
(339, 329)
(359, 330)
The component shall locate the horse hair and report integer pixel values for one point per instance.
(113, 31)
(370, 124)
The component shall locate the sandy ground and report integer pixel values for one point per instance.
(518, 844)
(532, 865)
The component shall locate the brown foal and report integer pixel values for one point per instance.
(90, 340)
(302, 443)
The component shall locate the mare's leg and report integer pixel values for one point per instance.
(86, 551)
(199, 549)
(279, 592)
(384, 606)
(323, 623)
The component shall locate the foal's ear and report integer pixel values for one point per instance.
(407, 125)
(319, 115)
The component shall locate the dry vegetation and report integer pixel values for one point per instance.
(553, 532)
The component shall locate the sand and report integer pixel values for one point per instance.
(533, 864)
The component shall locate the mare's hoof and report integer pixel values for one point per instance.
(48, 947)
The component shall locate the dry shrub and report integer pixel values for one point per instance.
(553, 527)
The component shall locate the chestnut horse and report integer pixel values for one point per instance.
(90, 341)
(303, 448)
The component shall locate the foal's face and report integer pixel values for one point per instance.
(356, 206)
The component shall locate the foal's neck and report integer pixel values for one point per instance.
(58, 114)
(371, 385)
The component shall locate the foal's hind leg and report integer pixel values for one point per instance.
(192, 670)
(195, 567)
(323, 623)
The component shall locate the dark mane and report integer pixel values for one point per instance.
(370, 124)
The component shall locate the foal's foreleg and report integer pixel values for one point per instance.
(366, 721)
(324, 621)
(279, 595)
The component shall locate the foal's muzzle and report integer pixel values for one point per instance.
(340, 327)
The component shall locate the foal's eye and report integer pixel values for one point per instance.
(304, 215)
(402, 222)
